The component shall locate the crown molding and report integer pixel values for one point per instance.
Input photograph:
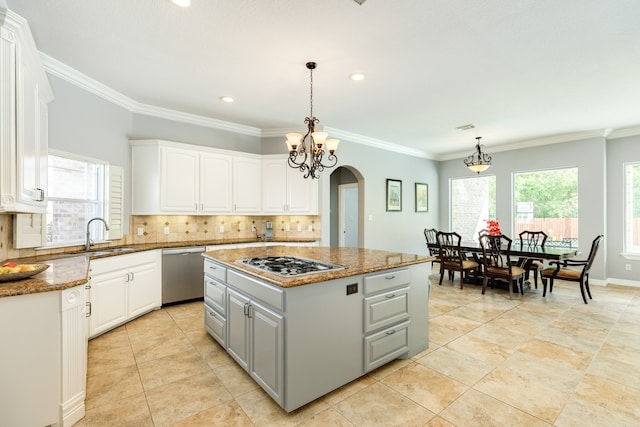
(624, 132)
(63, 71)
(555, 139)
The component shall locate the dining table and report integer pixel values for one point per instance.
(525, 254)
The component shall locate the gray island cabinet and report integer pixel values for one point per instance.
(301, 337)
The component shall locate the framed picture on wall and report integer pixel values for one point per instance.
(422, 197)
(394, 195)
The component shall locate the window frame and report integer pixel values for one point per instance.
(627, 209)
(474, 236)
(101, 201)
(514, 202)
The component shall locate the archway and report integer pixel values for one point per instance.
(346, 195)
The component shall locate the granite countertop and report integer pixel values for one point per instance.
(358, 261)
(67, 270)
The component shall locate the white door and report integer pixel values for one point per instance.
(348, 222)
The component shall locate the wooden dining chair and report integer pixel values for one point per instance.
(432, 244)
(563, 272)
(530, 240)
(451, 256)
(497, 265)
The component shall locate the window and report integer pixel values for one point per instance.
(473, 201)
(548, 201)
(632, 208)
(76, 194)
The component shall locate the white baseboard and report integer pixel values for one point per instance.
(622, 282)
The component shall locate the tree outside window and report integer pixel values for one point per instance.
(473, 201)
(548, 201)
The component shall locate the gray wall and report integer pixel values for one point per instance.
(619, 151)
(85, 124)
(390, 231)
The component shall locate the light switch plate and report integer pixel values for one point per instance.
(166, 230)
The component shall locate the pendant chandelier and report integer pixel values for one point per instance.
(478, 161)
(309, 160)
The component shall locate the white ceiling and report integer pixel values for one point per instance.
(518, 70)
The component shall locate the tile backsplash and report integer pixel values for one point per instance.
(181, 228)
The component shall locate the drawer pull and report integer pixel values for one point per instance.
(212, 313)
(391, 332)
(211, 267)
(391, 296)
(390, 277)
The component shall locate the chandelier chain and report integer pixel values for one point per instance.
(311, 93)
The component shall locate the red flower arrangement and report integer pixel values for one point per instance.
(493, 227)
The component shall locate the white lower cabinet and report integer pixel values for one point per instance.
(74, 355)
(30, 359)
(123, 287)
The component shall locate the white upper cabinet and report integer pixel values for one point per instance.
(284, 190)
(215, 183)
(246, 185)
(177, 179)
(23, 119)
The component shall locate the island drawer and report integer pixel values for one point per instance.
(215, 294)
(215, 324)
(387, 280)
(386, 345)
(385, 309)
(256, 289)
(215, 270)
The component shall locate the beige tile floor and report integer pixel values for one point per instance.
(530, 361)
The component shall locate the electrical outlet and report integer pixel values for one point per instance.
(166, 231)
(287, 227)
(310, 228)
(140, 231)
(299, 227)
(627, 267)
(222, 228)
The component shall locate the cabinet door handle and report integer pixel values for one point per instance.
(245, 309)
(132, 276)
(391, 332)
(41, 198)
(88, 304)
(390, 277)
(391, 296)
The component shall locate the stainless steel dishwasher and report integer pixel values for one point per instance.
(182, 274)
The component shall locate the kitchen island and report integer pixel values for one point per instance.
(302, 336)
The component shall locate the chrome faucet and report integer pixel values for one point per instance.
(87, 244)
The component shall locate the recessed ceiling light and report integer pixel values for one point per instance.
(226, 99)
(181, 3)
(357, 76)
(466, 127)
